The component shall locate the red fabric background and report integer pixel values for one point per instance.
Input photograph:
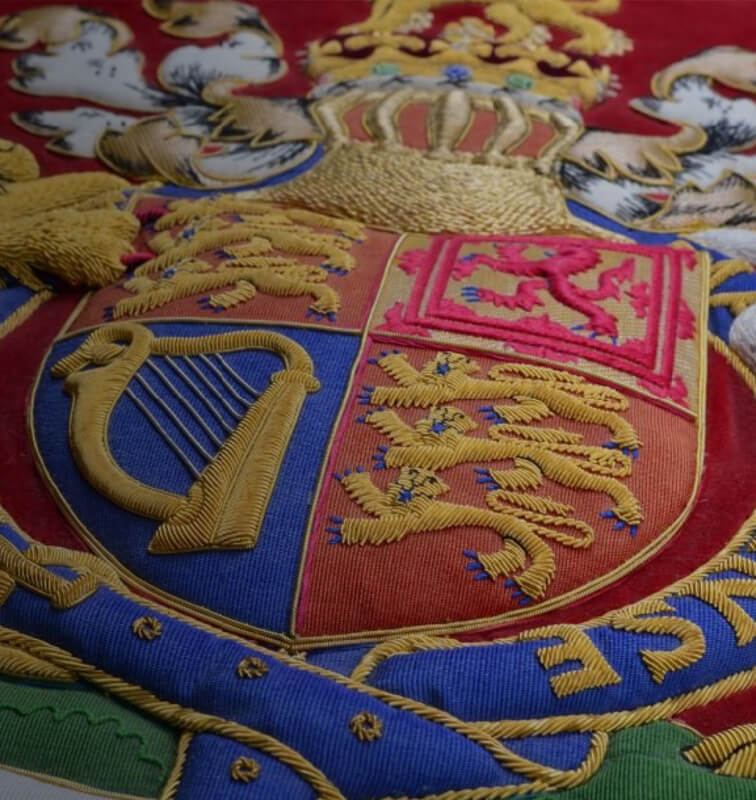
(663, 31)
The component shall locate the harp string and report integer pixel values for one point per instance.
(173, 418)
(187, 405)
(219, 375)
(212, 389)
(163, 433)
(235, 375)
(191, 410)
(199, 394)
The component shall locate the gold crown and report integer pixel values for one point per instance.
(467, 171)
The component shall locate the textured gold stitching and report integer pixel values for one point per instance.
(397, 517)
(727, 561)
(22, 313)
(62, 593)
(595, 670)
(82, 248)
(731, 752)
(736, 302)
(727, 268)
(389, 185)
(19, 664)
(197, 722)
(440, 441)
(470, 42)
(174, 779)
(226, 504)
(660, 662)
(245, 769)
(719, 594)
(176, 272)
(447, 378)
(17, 163)
(366, 726)
(251, 667)
(735, 361)
(147, 628)
(65, 225)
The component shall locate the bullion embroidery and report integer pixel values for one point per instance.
(697, 181)
(225, 505)
(476, 286)
(17, 663)
(366, 726)
(467, 49)
(594, 671)
(147, 628)
(245, 769)
(67, 226)
(439, 441)
(251, 667)
(250, 139)
(730, 752)
(258, 244)
(625, 307)
(390, 182)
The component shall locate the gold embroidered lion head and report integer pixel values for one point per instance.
(414, 488)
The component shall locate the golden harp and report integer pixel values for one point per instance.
(225, 506)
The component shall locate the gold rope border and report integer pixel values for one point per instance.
(23, 312)
(735, 361)
(486, 730)
(616, 720)
(174, 778)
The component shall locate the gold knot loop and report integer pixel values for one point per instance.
(245, 769)
(147, 628)
(366, 726)
(251, 667)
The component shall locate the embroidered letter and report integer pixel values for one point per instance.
(659, 662)
(595, 671)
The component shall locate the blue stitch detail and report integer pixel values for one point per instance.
(475, 566)
(457, 73)
(489, 414)
(620, 524)
(471, 294)
(485, 478)
(334, 270)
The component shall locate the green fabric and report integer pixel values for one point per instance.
(646, 763)
(76, 733)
